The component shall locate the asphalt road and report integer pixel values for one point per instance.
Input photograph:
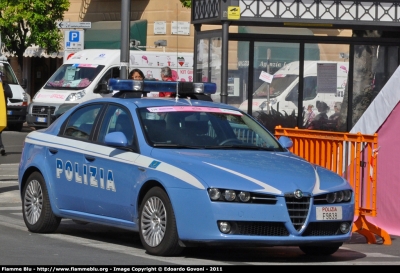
(13, 142)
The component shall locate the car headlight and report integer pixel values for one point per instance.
(214, 194)
(333, 197)
(244, 196)
(346, 195)
(76, 96)
(227, 195)
(339, 196)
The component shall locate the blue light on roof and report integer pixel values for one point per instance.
(161, 86)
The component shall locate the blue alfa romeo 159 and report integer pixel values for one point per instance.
(181, 172)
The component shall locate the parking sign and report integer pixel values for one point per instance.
(74, 39)
(74, 36)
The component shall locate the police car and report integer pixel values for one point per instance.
(181, 172)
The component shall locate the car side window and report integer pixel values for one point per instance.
(117, 119)
(81, 123)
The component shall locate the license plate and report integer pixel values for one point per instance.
(41, 119)
(9, 112)
(329, 213)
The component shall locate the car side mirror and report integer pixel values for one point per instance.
(286, 142)
(101, 88)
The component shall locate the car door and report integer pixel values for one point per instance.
(68, 158)
(112, 171)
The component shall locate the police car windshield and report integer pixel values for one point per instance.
(73, 76)
(204, 127)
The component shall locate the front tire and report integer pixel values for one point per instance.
(157, 225)
(36, 208)
(320, 250)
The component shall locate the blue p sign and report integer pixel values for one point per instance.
(74, 36)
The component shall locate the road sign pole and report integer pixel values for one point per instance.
(125, 25)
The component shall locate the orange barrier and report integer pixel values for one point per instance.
(354, 157)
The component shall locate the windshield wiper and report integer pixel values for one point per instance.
(241, 147)
(179, 146)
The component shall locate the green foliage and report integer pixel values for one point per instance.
(186, 3)
(24, 23)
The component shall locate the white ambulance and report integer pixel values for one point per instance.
(323, 81)
(82, 76)
(18, 104)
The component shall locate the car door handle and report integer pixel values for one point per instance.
(53, 151)
(90, 158)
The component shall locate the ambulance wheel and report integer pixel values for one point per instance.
(157, 226)
(36, 208)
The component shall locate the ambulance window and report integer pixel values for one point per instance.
(293, 94)
(111, 73)
(310, 88)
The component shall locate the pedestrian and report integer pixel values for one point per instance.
(320, 120)
(136, 74)
(166, 75)
(332, 124)
(309, 116)
(337, 108)
(7, 94)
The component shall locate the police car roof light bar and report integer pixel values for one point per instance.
(161, 86)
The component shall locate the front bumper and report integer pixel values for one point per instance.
(254, 224)
(40, 115)
(16, 114)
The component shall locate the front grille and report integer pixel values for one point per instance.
(323, 229)
(298, 210)
(15, 118)
(259, 229)
(41, 111)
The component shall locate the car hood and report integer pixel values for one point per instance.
(260, 171)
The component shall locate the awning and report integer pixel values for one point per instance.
(107, 34)
(36, 51)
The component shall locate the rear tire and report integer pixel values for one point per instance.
(320, 250)
(36, 208)
(157, 225)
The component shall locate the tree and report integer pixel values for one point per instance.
(186, 3)
(365, 64)
(24, 23)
